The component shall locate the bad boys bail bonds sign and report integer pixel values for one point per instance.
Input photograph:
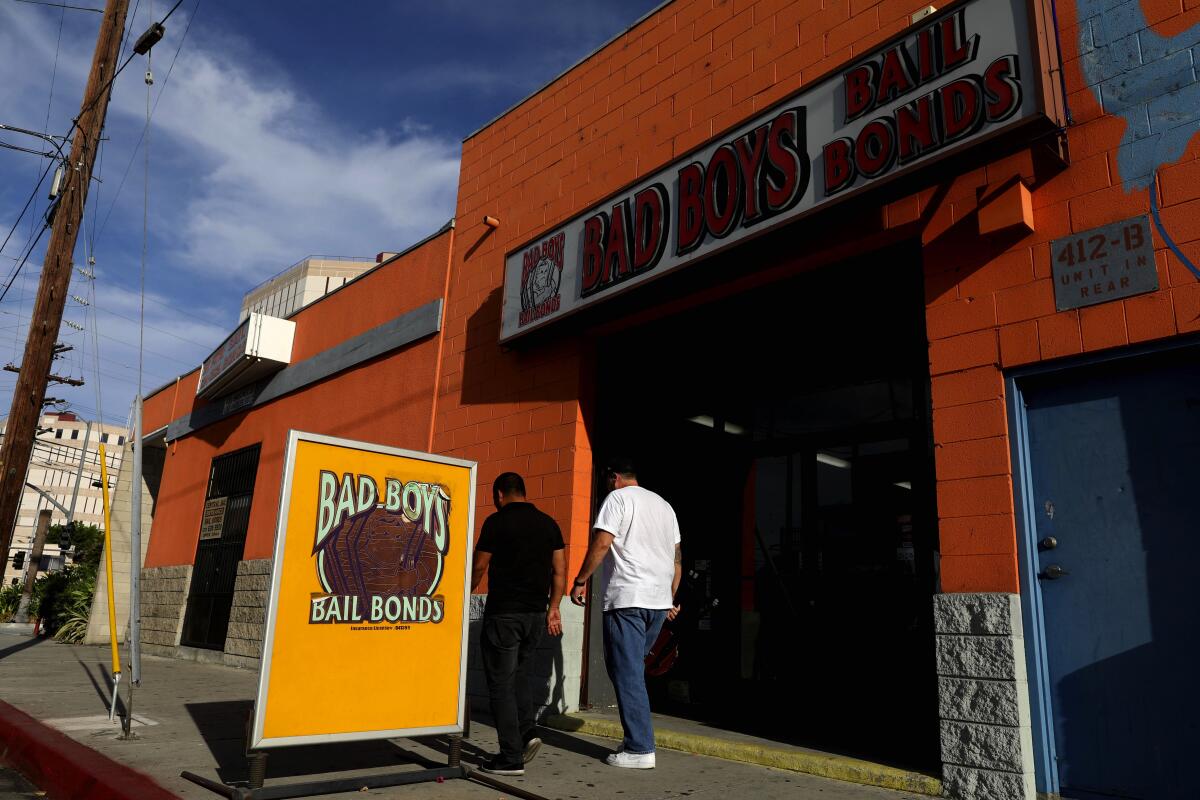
(379, 556)
(367, 617)
(960, 75)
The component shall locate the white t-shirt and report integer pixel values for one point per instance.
(640, 564)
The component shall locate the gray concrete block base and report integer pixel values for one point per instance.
(983, 698)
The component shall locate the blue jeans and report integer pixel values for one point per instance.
(629, 633)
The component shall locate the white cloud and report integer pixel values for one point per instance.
(248, 176)
(280, 179)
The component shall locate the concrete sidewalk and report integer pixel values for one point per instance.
(192, 717)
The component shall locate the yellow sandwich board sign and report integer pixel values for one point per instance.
(366, 629)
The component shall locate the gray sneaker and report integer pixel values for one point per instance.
(532, 745)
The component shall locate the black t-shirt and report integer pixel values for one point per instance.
(522, 541)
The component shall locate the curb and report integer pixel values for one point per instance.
(66, 769)
(824, 765)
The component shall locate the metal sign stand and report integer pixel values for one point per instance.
(256, 762)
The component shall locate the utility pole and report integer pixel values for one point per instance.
(35, 561)
(56, 273)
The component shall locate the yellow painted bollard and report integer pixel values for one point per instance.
(108, 569)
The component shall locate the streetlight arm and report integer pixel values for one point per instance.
(52, 501)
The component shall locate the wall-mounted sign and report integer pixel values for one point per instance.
(1105, 263)
(366, 631)
(963, 75)
(258, 347)
(213, 519)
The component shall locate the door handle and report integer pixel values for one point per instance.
(1053, 572)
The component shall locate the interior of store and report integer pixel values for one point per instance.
(789, 428)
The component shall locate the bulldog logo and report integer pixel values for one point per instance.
(541, 279)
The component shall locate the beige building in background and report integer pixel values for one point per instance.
(304, 282)
(52, 468)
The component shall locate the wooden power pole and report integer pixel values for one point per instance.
(30, 391)
(35, 561)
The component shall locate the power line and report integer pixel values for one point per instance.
(62, 6)
(160, 330)
(166, 80)
(127, 343)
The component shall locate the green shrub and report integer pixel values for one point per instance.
(60, 597)
(10, 598)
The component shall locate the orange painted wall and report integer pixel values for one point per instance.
(387, 401)
(688, 72)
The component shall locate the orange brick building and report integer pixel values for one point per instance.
(829, 272)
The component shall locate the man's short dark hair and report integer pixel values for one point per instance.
(620, 465)
(509, 484)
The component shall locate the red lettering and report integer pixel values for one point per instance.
(750, 162)
(691, 208)
(894, 80)
(722, 198)
(926, 56)
(916, 129)
(649, 232)
(785, 176)
(1001, 84)
(962, 108)
(839, 167)
(617, 248)
(593, 251)
(957, 48)
(860, 90)
(875, 150)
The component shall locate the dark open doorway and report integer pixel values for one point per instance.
(220, 547)
(789, 428)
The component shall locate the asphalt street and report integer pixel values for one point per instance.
(14, 787)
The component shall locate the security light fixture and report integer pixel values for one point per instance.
(491, 222)
(151, 37)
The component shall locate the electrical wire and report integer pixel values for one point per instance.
(166, 80)
(63, 6)
(1162, 231)
(24, 258)
(29, 150)
(145, 223)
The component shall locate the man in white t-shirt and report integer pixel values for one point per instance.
(636, 537)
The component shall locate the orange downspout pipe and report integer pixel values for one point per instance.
(437, 372)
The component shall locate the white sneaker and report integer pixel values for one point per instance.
(630, 760)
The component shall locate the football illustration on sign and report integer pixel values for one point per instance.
(379, 558)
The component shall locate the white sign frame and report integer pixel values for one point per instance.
(257, 739)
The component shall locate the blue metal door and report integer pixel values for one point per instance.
(1114, 455)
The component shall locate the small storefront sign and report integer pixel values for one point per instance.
(370, 591)
(213, 519)
(261, 345)
(963, 75)
(1105, 263)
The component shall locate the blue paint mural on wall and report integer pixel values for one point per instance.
(1152, 82)
(1149, 80)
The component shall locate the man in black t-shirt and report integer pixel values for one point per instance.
(520, 549)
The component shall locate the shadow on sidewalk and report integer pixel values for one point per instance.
(474, 754)
(102, 684)
(222, 725)
(19, 646)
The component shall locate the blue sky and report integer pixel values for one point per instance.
(283, 129)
